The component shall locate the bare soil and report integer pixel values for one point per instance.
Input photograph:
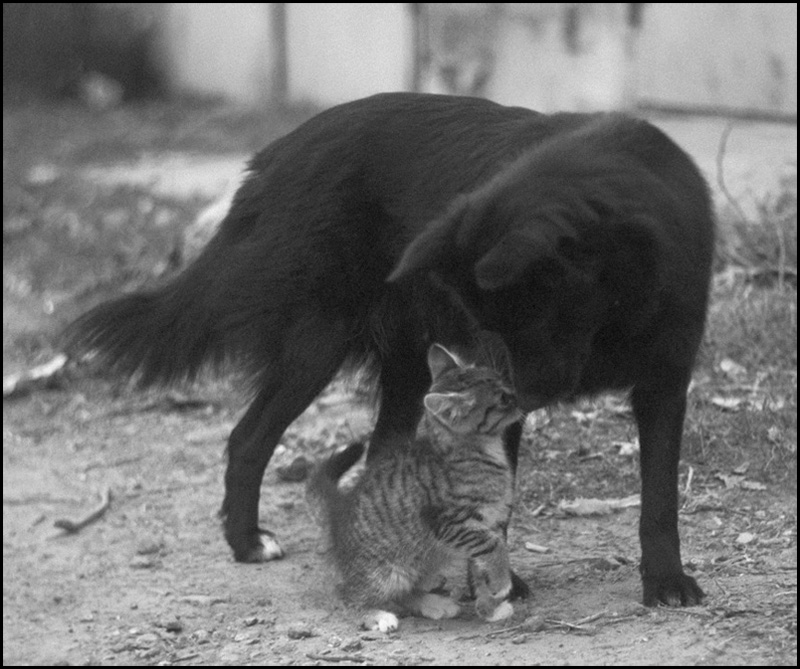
(152, 581)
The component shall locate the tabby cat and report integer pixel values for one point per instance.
(416, 511)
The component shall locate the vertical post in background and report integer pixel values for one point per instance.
(280, 62)
(421, 56)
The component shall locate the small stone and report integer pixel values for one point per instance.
(297, 470)
(149, 547)
(143, 562)
(300, 631)
(173, 626)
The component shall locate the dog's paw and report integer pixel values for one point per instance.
(262, 547)
(673, 590)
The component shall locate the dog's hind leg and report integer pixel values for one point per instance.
(311, 354)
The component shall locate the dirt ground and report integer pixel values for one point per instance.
(152, 581)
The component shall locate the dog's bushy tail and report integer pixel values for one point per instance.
(322, 490)
(160, 337)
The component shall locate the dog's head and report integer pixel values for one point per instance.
(536, 255)
(522, 222)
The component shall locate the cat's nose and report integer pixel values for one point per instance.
(506, 399)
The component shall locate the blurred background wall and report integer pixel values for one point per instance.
(719, 57)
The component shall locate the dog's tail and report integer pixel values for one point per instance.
(324, 498)
(161, 336)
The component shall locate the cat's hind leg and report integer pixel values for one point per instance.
(425, 604)
(379, 620)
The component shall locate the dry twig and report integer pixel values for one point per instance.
(73, 526)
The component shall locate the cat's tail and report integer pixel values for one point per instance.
(322, 490)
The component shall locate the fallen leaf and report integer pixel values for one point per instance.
(727, 403)
(774, 404)
(730, 480)
(597, 507)
(774, 434)
(627, 449)
(732, 369)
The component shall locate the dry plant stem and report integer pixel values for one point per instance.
(73, 526)
(723, 143)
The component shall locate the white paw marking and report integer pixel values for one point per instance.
(504, 610)
(437, 607)
(504, 593)
(270, 549)
(381, 621)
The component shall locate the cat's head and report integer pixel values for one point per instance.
(468, 399)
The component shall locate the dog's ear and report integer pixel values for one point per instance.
(506, 262)
(433, 246)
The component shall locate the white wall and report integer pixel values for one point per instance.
(536, 68)
(695, 54)
(720, 54)
(342, 51)
(219, 48)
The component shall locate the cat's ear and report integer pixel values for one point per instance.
(444, 406)
(440, 360)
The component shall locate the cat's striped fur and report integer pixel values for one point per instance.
(446, 497)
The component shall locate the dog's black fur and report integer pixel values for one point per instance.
(384, 224)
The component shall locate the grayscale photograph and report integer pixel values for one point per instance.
(400, 334)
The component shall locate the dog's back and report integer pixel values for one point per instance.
(328, 210)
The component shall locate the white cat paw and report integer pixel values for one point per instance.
(380, 621)
(503, 611)
(437, 607)
(503, 593)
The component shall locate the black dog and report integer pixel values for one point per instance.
(381, 225)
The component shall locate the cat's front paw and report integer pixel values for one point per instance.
(491, 611)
